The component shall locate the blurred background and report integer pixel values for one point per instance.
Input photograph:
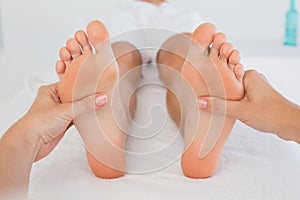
(32, 31)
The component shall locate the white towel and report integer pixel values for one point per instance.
(253, 165)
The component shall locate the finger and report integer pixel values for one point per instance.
(54, 85)
(51, 91)
(221, 106)
(52, 88)
(250, 77)
(264, 77)
(88, 104)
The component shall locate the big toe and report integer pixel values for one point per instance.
(204, 35)
(97, 33)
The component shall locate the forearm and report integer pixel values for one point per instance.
(17, 153)
(290, 125)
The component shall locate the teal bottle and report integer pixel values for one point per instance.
(291, 25)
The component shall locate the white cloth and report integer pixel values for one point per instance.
(148, 26)
(253, 165)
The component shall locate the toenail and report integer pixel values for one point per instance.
(101, 100)
(202, 103)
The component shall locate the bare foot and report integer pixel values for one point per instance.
(224, 82)
(82, 73)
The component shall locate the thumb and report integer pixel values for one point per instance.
(85, 105)
(221, 106)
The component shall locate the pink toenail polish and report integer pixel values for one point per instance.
(101, 100)
(202, 103)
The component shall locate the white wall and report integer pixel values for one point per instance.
(32, 39)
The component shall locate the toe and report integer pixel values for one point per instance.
(82, 40)
(73, 47)
(235, 57)
(65, 55)
(204, 35)
(97, 33)
(60, 68)
(225, 52)
(219, 40)
(239, 71)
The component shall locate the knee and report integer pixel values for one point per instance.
(126, 53)
(176, 46)
(179, 43)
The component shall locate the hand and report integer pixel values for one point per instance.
(262, 108)
(48, 119)
(36, 134)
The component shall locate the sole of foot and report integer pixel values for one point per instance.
(229, 74)
(84, 72)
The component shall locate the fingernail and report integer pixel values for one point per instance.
(202, 103)
(101, 100)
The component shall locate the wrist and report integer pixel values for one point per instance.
(24, 132)
(17, 146)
